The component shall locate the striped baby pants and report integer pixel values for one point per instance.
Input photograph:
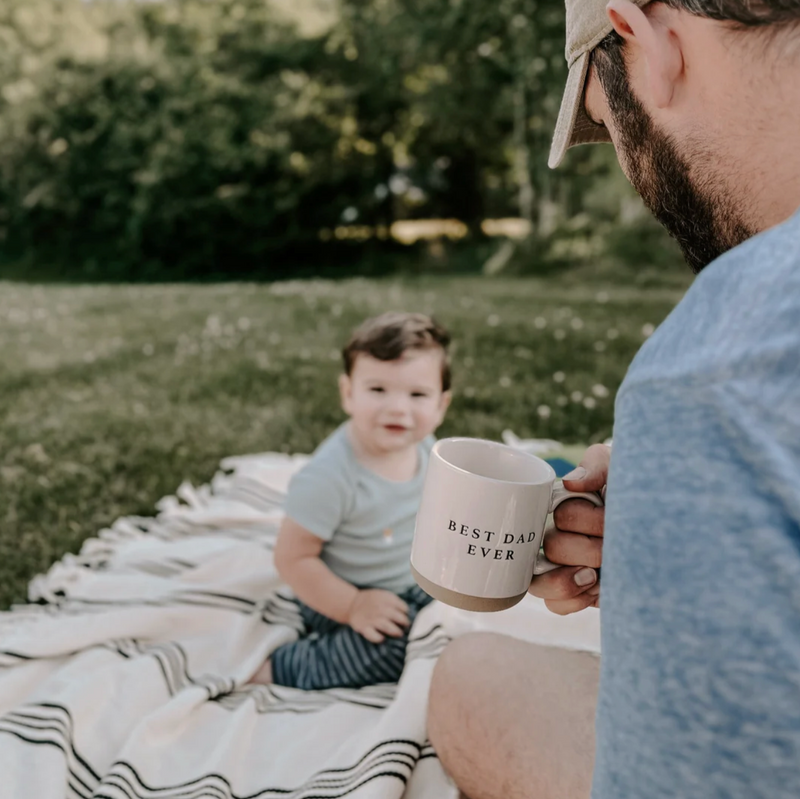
(333, 655)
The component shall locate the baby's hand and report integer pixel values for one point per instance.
(376, 613)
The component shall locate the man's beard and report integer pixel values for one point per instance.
(703, 222)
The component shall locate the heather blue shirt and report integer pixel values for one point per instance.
(700, 686)
(366, 521)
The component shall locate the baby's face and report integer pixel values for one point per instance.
(395, 404)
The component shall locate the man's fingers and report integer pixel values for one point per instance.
(566, 606)
(574, 549)
(580, 516)
(565, 583)
(592, 472)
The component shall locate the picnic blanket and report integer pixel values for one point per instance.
(125, 677)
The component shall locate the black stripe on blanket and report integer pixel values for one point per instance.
(278, 699)
(47, 724)
(428, 646)
(51, 725)
(394, 759)
(173, 662)
(12, 658)
(205, 599)
(253, 493)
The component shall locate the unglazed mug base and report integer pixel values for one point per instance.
(480, 604)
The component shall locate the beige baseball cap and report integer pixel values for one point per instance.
(587, 25)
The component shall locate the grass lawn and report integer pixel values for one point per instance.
(111, 395)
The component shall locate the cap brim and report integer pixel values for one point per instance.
(573, 125)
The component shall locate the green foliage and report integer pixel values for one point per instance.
(111, 395)
(196, 139)
(203, 145)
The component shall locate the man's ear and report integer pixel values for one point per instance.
(656, 43)
(346, 392)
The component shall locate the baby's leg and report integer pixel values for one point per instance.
(333, 655)
(264, 675)
(339, 659)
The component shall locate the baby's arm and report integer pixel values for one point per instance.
(297, 559)
(373, 613)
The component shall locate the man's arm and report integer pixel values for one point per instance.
(700, 679)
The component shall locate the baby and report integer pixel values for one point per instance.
(345, 543)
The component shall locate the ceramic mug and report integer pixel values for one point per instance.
(480, 525)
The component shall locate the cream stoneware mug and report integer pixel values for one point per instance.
(480, 525)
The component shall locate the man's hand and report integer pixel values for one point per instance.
(376, 613)
(576, 541)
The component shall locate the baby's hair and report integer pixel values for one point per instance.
(388, 336)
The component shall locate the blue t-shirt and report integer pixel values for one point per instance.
(366, 521)
(700, 679)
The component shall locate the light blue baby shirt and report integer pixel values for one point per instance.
(700, 600)
(366, 521)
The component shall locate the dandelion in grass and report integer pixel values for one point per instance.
(244, 324)
(602, 297)
(334, 355)
(523, 352)
(599, 346)
(305, 354)
(600, 391)
(589, 403)
(576, 396)
(89, 357)
(560, 335)
(544, 411)
(576, 323)
(561, 401)
(469, 392)
(505, 381)
(148, 350)
(493, 320)
(336, 310)
(648, 330)
(213, 327)
(612, 333)
(559, 377)
(540, 323)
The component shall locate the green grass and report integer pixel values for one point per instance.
(111, 395)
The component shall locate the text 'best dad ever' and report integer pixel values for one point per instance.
(491, 552)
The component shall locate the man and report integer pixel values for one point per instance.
(699, 690)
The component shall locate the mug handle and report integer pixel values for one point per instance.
(561, 494)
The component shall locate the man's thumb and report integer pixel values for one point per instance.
(592, 472)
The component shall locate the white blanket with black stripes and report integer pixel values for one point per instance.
(125, 678)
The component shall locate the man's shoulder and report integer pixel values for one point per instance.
(742, 308)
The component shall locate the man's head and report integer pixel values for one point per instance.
(673, 83)
(396, 381)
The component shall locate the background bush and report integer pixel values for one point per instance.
(199, 139)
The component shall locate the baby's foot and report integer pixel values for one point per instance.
(264, 675)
